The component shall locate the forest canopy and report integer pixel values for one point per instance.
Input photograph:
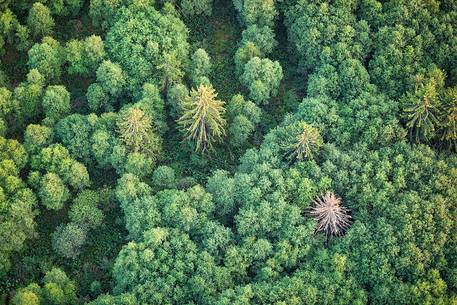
(222, 152)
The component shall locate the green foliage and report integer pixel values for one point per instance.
(200, 66)
(135, 130)
(53, 193)
(262, 77)
(17, 202)
(84, 211)
(222, 187)
(315, 27)
(57, 289)
(164, 177)
(320, 147)
(104, 12)
(68, 239)
(29, 96)
(56, 159)
(123, 299)
(65, 7)
(178, 255)
(74, 133)
(257, 12)
(29, 295)
(197, 7)
(243, 117)
(8, 23)
(299, 140)
(202, 118)
(6, 107)
(152, 104)
(262, 37)
(176, 96)
(47, 58)
(98, 99)
(84, 56)
(422, 107)
(449, 117)
(40, 21)
(141, 40)
(244, 54)
(37, 137)
(170, 70)
(56, 104)
(139, 164)
(111, 77)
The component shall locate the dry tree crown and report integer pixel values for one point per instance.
(332, 218)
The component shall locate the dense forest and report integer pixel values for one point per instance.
(228, 152)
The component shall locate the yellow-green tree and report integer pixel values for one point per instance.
(202, 118)
(136, 131)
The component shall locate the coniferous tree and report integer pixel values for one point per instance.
(202, 118)
(306, 144)
(136, 131)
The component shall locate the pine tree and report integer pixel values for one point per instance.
(422, 107)
(136, 131)
(202, 118)
(307, 143)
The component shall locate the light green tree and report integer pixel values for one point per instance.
(202, 118)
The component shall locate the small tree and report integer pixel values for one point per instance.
(84, 56)
(47, 58)
(197, 7)
(449, 117)
(200, 66)
(262, 77)
(202, 117)
(331, 217)
(53, 192)
(84, 211)
(67, 240)
(422, 106)
(170, 70)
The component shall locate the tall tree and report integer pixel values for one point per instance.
(202, 118)
(143, 39)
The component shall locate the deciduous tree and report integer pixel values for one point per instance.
(262, 77)
(40, 21)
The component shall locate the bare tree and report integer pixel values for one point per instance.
(332, 218)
